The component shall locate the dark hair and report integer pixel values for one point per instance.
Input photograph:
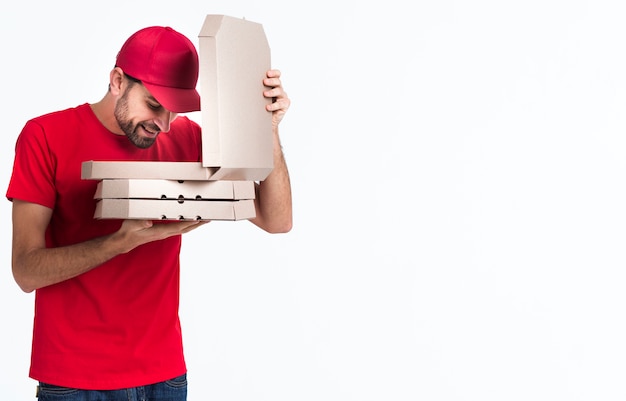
(133, 79)
(130, 78)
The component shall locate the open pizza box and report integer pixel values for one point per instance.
(237, 143)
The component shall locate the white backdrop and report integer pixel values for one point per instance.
(458, 178)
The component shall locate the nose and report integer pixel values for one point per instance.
(164, 118)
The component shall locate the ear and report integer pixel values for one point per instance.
(116, 78)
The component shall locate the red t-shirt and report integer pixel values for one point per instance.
(117, 325)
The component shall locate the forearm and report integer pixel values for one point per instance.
(273, 198)
(41, 267)
(36, 266)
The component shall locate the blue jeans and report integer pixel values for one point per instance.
(169, 390)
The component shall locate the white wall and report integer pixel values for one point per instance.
(458, 177)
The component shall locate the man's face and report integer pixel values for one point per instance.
(140, 116)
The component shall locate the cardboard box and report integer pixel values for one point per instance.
(236, 129)
(237, 140)
(165, 209)
(170, 189)
(184, 171)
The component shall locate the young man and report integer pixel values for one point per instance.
(106, 306)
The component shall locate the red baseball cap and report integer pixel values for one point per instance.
(166, 63)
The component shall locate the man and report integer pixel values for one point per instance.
(106, 307)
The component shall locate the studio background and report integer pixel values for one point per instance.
(458, 186)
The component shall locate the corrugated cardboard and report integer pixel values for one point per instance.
(156, 209)
(171, 189)
(236, 129)
(185, 171)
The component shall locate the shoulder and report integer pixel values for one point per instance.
(60, 120)
(55, 123)
(61, 115)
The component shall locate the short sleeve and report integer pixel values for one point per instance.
(32, 178)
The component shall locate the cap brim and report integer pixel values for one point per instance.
(176, 100)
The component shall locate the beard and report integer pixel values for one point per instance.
(129, 127)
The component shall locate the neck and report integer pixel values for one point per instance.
(104, 111)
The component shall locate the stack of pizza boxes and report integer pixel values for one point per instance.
(236, 140)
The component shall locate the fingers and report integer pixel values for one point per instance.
(273, 74)
(276, 92)
(194, 226)
(139, 232)
(175, 227)
(273, 82)
(136, 225)
(280, 101)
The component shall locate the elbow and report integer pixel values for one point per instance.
(287, 226)
(24, 285)
(281, 226)
(27, 285)
(281, 229)
(27, 290)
